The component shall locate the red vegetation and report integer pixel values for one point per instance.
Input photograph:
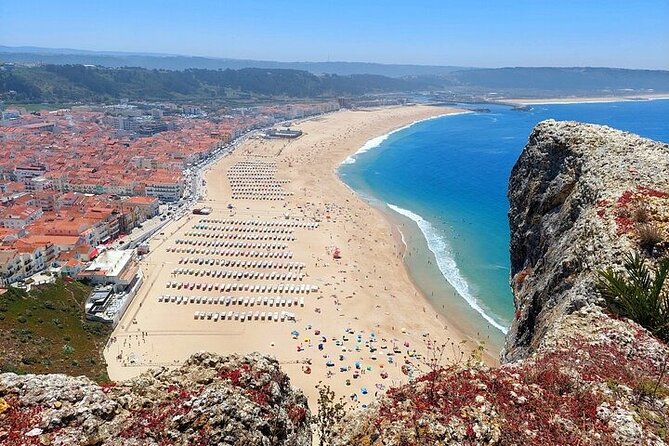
(297, 414)
(107, 386)
(234, 375)
(245, 376)
(624, 224)
(16, 421)
(625, 199)
(153, 422)
(551, 400)
(648, 192)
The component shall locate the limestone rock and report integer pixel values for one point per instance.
(567, 195)
(233, 400)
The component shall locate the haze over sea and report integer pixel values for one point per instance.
(443, 181)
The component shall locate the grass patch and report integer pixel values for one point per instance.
(45, 331)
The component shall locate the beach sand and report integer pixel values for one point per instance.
(366, 305)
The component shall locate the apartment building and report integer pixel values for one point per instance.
(38, 184)
(166, 186)
(25, 258)
(10, 267)
(19, 216)
(24, 173)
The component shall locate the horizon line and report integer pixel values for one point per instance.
(166, 55)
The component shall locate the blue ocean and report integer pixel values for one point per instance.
(446, 179)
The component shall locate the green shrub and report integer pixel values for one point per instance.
(640, 294)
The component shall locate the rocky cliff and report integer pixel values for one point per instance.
(235, 400)
(573, 194)
(580, 197)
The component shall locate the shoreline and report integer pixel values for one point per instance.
(487, 326)
(368, 292)
(472, 329)
(378, 140)
(585, 99)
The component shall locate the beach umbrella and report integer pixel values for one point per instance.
(363, 390)
(295, 333)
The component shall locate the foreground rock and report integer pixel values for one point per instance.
(592, 382)
(573, 374)
(235, 400)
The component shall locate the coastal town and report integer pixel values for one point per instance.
(210, 224)
(74, 181)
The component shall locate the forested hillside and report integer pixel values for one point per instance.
(71, 83)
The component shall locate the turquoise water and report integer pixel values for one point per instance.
(449, 175)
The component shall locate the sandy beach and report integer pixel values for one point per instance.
(577, 99)
(360, 325)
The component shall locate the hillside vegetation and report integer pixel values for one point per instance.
(78, 83)
(72, 83)
(45, 331)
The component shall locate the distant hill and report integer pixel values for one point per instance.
(65, 56)
(93, 82)
(563, 79)
(78, 83)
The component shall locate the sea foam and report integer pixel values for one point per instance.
(375, 142)
(446, 263)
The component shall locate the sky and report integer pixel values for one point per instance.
(482, 33)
